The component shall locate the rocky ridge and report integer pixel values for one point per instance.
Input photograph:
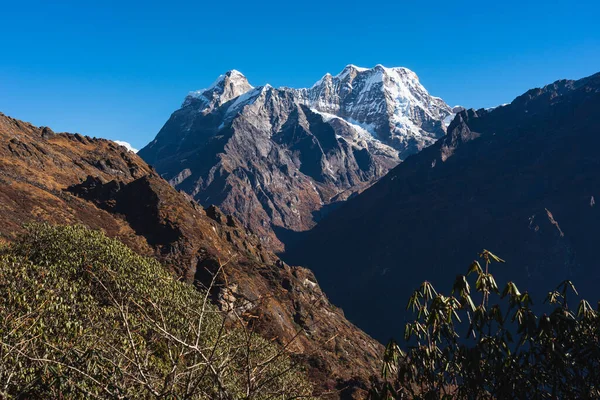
(520, 180)
(275, 157)
(65, 178)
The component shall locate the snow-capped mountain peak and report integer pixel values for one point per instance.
(350, 69)
(226, 87)
(283, 153)
(391, 102)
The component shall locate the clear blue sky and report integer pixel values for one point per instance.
(117, 69)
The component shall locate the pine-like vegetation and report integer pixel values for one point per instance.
(82, 316)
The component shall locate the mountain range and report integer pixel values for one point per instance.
(64, 178)
(520, 180)
(369, 184)
(277, 158)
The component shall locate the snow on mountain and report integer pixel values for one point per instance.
(127, 145)
(227, 87)
(275, 156)
(455, 110)
(390, 102)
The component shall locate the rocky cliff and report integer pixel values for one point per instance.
(275, 158)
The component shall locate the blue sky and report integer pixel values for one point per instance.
(117, 69)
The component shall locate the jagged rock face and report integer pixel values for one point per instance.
(389, 102)
(274, 157)
(521, 180)
(68, 179)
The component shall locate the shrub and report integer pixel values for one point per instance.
(488, 344)
(83, 316)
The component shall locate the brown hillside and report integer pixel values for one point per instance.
(65, 178)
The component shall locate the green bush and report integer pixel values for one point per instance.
(488, 344)
(83, 316)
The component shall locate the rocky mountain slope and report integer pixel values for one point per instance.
(521, 180)
(66, 179)
(275, 157)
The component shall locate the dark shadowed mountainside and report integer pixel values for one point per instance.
(522, 180)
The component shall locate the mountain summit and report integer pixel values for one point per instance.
(227, 86)
(520, 179)
(390, 103)
(274, 157)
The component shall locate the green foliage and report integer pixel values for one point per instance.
(489, 344)
(83, 316)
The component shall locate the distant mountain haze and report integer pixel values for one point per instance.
(275, 157)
